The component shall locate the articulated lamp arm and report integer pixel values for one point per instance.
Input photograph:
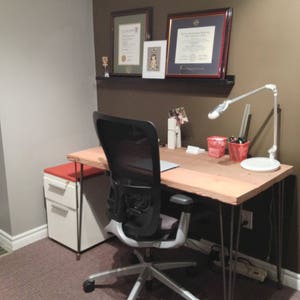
(223, 106)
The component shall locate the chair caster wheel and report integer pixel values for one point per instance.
(89, 286)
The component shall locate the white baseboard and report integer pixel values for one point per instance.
(11, 243)
(289, 278)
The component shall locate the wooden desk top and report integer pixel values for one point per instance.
(217, 178)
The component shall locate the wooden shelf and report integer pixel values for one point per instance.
(190, 86)
(227, 81)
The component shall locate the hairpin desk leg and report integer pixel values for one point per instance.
(222, 252)
(237, 245)
(278, 221)
(79, 200)
(280, 216)
(232, 261)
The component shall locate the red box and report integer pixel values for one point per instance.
(67, 171)
(238, 152)
(216, 146)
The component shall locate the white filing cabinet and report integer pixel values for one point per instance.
(60, 194)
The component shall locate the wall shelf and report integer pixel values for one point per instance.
(227, 81)
(191, 86)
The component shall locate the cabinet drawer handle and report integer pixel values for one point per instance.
(58, 185)
(59, 210)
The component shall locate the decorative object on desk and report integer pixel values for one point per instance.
(216, 146)
(130, 28)
(179, 114)
(177, 117)
(105, 65)
(194, 150)
(172, 134)
(256, 163)
(154, 59)
(238, 148)
(198, 43)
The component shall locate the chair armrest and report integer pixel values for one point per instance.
(181, 199)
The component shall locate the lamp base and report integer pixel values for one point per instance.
(260, 164)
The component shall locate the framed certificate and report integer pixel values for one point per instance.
(130, 29)
(198, 43)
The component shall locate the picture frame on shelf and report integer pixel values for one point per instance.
(130, 28)
(154, 59)
(198, 43)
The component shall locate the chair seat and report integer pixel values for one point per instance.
(168, 228)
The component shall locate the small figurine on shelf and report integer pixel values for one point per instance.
(105, 65)
(177, 117)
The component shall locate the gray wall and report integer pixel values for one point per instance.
(47, 95)
(4, 207)
(264, 49)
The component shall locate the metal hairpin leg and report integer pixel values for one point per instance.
(278, 220)
(222, 252)
(79, 200)
(281, 216)
(237, 245)
(77, 210)
(232, 262)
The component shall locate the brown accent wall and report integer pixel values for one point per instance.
(264, 48)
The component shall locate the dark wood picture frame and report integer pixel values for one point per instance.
(198, 43)
(130, 28)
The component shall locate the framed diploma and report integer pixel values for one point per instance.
(198, 43)
(130, 29)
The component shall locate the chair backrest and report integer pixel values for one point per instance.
(131, 149)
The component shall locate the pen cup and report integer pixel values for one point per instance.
(216, 146)
(238, 152)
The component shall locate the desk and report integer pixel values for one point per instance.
(221, 180)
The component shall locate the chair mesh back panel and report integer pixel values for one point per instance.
(131, 148)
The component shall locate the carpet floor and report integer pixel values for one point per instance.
(47, 270)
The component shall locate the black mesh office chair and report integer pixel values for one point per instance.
(131, 148)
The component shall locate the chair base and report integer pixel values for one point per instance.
(146, 271)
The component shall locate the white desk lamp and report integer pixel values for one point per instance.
(255, 163)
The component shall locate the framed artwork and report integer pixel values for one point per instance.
(154, 59)
(198, 43)
(130, 29)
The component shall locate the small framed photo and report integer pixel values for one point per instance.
(198, 43)
(130, 28)
(154, 59)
